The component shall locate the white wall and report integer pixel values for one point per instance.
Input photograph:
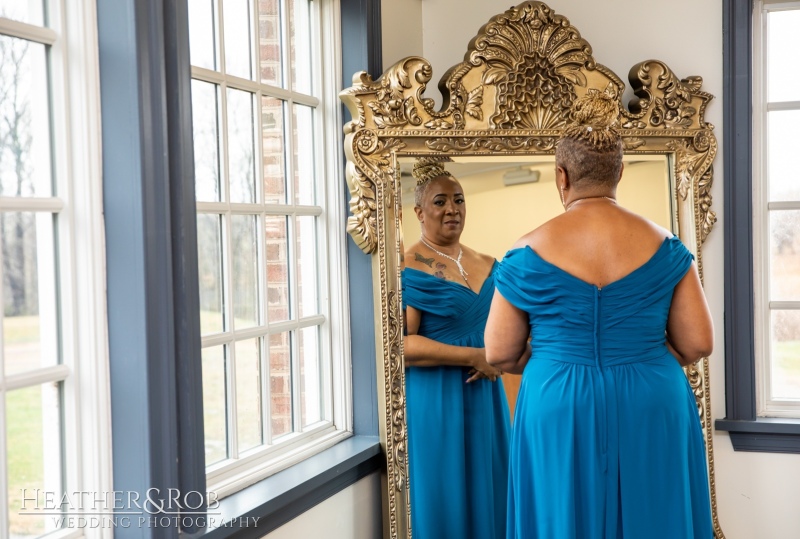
(757, 493)
(353, 513)
(401, 28)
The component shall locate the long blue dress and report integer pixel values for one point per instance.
(607, 441)
(457, 432)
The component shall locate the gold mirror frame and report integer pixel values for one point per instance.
(510, 96)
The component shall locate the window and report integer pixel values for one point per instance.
(53, 365)
(748, 310)
(776, 209)
(270, 238)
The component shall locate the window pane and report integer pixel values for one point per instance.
(209, 270)
(29, 11)
(248, 394)
(241, 151)
(244, 256)
(214, 409)
(280, 383)
(307, 270)
(300, 36)
(304, 181)
(24, 119)
(310, 374)
(272, 147)
(30, 332)
(784, 255)
(785, 354)
(783, 55)
(783, 155)
(277, 268)
(205, 115)
(34, 455)
(238, 53)
(269, 36)
(202, 42)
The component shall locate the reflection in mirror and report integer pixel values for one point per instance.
(507, 197)
(456, 407)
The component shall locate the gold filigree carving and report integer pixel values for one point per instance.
(695, 378)
(632, 143)
(535, 59)
(706, 217)
(376, 159)
(688, 164)
(398, 396)
(493, 144)
(665, 100)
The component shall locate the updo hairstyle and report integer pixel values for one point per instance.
(590, 150)
(426, 169)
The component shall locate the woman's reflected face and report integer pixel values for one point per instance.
(443, 210)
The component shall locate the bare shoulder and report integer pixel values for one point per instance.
(482, 258)
(643, 226)
(538, 235)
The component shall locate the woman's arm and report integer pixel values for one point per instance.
(506, 336)
(690, 331)
(421, 351)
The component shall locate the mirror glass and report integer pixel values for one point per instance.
(506, 197)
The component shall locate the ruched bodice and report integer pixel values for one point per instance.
(604, 409)
(457, 432)
(454, 314)
(577, 322)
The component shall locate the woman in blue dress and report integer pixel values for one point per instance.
(607, 441)
(457, 414)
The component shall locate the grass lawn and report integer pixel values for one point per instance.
(786, 356)
(25, 456)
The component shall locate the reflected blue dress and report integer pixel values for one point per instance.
(457, 432)
(606, 440)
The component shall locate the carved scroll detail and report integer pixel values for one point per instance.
(396, 390)
(375, 157)
(494, 144)
(663, 100)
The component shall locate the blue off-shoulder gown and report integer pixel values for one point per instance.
(606, 442)
(458, 433)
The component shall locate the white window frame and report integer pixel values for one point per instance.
(76, 154)
(765, 405)
(233, 474)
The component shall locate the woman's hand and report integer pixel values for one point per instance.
(481, 369)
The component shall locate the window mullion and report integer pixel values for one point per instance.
(230, 386)
(297, 407)
(286, 69)
(4, 516)
(221, 37)
(4, 513)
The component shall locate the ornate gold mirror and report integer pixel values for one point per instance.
(504, 108)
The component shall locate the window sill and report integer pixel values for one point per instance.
(765, 434)
(264, 506)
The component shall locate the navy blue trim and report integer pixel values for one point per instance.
(361, 51)
(186, 297)
(136, 204)
(769, 435)
(265, 506)
(747, 431)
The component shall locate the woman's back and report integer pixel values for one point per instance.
(596, 241)
(603, 406)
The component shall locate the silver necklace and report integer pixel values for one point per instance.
(584, 198)
(457, 261)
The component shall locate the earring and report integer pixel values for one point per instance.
(563, 202)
